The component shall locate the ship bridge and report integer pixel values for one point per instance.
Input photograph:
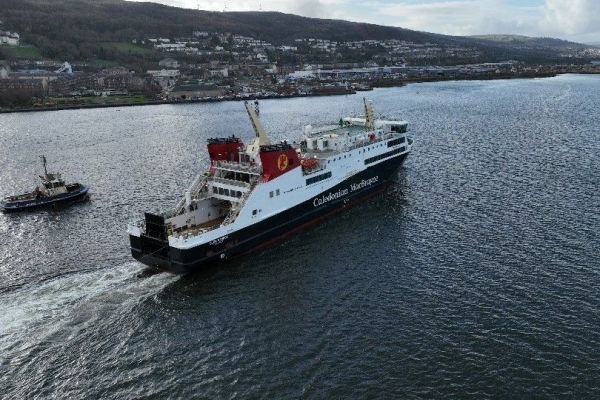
(231, 181)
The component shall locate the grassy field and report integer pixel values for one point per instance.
(104, 63)
(21, 52)
(128, 48)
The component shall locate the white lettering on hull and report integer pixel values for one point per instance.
(364, 183)
(319, 201)
(218, 241)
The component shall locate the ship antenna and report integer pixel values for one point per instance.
(44, 164)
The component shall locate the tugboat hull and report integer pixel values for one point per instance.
(77, 194)
(155, 251)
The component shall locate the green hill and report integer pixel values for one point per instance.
(103, 29)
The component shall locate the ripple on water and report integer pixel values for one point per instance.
(475, 276)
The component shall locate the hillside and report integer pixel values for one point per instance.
(77, 30)
(534, 42)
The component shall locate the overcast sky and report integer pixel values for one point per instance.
(577, 20)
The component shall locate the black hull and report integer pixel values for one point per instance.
(59, 200)
(156, 253)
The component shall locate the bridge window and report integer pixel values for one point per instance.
(398, 128)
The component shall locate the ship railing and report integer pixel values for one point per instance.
(324, 130)
(236, 208)
(364, 143)
(230, 182)
(321, 167)
(249, 168)
(197, 184)
(195, 188)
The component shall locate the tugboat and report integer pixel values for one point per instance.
(53, 192)
(258, 194)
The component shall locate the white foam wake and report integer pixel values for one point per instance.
(74, 299)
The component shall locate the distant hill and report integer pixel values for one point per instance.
(530, 41)
(76, 30)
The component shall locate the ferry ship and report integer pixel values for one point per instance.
(258, 194)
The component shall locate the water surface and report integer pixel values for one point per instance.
(475, 276)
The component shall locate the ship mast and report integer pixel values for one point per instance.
(253, 150)
(44, 165)
(369, 115)
(261, 135)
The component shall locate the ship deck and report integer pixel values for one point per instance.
(196, 230)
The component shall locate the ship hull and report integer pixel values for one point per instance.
(157, 253)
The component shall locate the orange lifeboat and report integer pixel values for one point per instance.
(310, 163)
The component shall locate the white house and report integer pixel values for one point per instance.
(223, 73)
(272, 70)
(4, 71)
(169, 63)
(164, 73)
(11, 39)
(166, 78)
(307, 74)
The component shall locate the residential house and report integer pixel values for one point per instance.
(166, 78)
(9, 38)
(4, 71)
(169, 63)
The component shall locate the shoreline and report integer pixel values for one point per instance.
(374, 84)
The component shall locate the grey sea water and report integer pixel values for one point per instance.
(476, 276)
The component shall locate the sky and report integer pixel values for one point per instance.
(576, 20)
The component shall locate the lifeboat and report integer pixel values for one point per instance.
(310, 163)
